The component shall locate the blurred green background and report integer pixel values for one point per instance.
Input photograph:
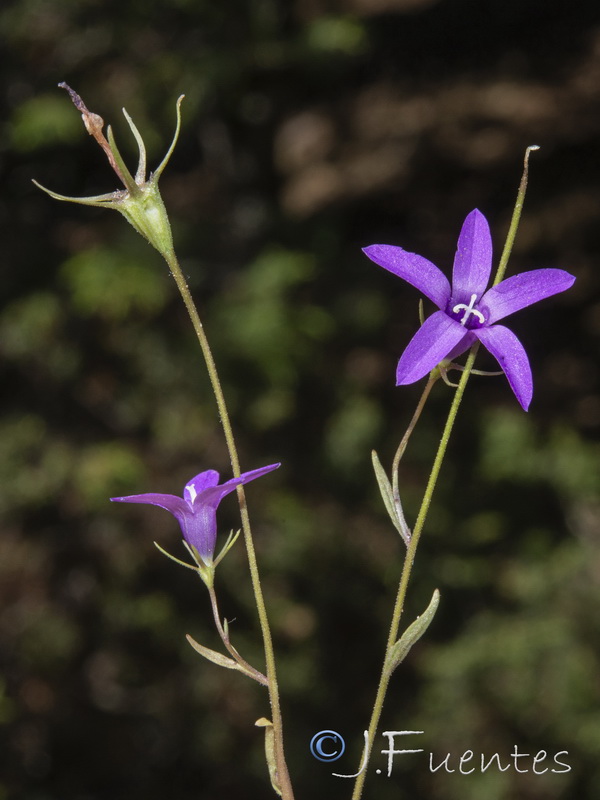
(311, 128)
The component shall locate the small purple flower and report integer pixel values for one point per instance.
(467, 312)
(196, 511)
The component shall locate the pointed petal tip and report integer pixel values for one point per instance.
(476, 212)
(257, 473)
(403, 378)
(476, 216)
(268, 467)
(524, 396)
(377, 254)
(384, 255)
(571, 278)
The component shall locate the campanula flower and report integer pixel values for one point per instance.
(139, 201)
(196, 511)
(466, 310)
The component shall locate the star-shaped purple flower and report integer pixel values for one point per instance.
(467, 311)
(196, 511)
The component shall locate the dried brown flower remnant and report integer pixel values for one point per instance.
(94, 125)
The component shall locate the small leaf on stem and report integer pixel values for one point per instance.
(265, 723)
(212, 655)
(387, 496)
(412, 634)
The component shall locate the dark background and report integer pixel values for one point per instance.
(311, 129)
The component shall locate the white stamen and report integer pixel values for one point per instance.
(192, 491)
(469, 310)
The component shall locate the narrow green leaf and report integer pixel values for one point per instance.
(387, 495)
(212, 655)
(265, 723)
(385, 489)
(412, 634)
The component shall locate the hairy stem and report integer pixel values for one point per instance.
(404, 441)
(282, 771)
(409, 561)
(248, 668)
(516, 217)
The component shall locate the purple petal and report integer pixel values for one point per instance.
(510, 354)
(200, 483)
(462, 346)
(198, 525)
(473, 259)
(256, 473)
(438, 335)
(176, 505)
(522, 290)
(200, 529)
(213, 495)
(414, 269)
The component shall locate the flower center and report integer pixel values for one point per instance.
(468, 311)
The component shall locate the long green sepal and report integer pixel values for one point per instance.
(124, 173)
(140, 175)
(174, 558)
(165, 161)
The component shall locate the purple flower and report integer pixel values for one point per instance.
(467, 311)
(196, 511)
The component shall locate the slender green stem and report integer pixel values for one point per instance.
(282, 771)
(426, 502)
(248, 668)
(516, 216)
(404, 441)
(409, 561)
